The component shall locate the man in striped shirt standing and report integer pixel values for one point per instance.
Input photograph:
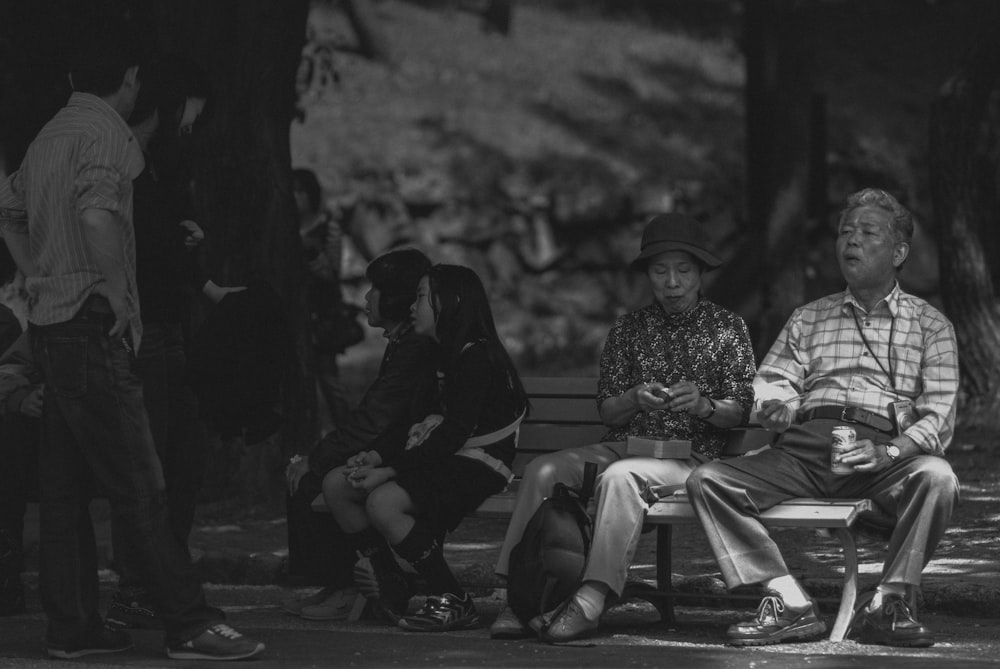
(67, 217)
(877, 360)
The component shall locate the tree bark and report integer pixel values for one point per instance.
(242, 175)
(777, 127)
(963, 164)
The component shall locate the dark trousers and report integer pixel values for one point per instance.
(318, 551)
(18, 484)
(178, 433)
(918, 493)
(95, 425)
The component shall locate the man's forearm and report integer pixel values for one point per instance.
(104, 239)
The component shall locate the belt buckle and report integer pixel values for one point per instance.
(845, 417)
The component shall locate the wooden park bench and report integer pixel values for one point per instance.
(564, 415)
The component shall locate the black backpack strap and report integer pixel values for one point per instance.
(589, 478)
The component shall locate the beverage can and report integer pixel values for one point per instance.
(841, 440)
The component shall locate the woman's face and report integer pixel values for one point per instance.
(676, 280)
(372, 312)
(424, 319)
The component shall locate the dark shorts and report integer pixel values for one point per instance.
(449, 489)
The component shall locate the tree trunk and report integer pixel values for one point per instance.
(963, 163)
(777, 113)
(242, 174)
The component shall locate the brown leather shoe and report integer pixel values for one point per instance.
(893, 624)
(569, 624)
(776, 623)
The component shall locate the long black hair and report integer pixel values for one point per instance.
(463, 316)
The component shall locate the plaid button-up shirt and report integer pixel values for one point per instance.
(85, 157)
(821, 352)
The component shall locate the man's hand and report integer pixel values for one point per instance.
(866, 456)
(31, 405)
(215, 292)
(776, 415)
(369, 478)
(119, 307)
(194, 234)
(296, 469)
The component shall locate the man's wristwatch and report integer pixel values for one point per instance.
(892, 450)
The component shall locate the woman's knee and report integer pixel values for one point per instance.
(701, 478)
(546, 470)
(385, 504)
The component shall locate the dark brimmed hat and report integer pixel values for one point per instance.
(674, 232)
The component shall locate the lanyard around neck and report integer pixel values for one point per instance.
(892, 331)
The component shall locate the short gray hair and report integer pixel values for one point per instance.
(902, 219)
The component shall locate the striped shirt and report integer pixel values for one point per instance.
(85, 157)
(707, 345)
(821, 352)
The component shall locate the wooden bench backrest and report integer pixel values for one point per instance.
(564, 415)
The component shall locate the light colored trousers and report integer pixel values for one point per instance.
(626, 487)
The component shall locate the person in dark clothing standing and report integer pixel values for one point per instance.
(408, 493)
(75, 236)
(317, 550)
(167, 275)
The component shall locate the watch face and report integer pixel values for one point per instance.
(892, 451)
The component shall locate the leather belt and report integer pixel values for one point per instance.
(850, 415)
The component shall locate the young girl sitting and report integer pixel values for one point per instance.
(409, 495)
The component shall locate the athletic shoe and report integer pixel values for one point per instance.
(775, 622)
(893, 624)
(569, 624)
(104, 640)
(295, 606)
(218, 642)
(442, 613)
(509, 626)
(335, 607)
(133, 610)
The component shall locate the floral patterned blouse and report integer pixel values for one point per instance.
(707, 345)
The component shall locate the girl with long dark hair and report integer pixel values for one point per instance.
(456, 457)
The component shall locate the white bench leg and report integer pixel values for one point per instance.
(850, 593)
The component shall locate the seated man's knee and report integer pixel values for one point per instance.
(936, 473)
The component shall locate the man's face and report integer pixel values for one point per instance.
(372, 312)
(867, 249)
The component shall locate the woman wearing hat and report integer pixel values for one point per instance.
(679, 368)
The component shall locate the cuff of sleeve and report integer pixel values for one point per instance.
(927, 441)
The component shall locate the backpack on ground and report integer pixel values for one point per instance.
(547, 565)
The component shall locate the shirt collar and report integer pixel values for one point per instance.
(99, 105)
(891, 300)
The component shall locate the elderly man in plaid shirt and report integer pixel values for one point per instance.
(875, 359)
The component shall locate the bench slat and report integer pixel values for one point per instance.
(545, 438)
(799, 512)
(563, 410)
(582, 386)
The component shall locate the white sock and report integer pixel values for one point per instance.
(883, 590)
(591, 601)
(791, 592)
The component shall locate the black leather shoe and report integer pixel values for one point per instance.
(776, 623)
(893, 624)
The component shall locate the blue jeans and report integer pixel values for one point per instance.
(178, 433)
(95, 428)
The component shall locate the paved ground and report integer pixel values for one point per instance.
(247, 551)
